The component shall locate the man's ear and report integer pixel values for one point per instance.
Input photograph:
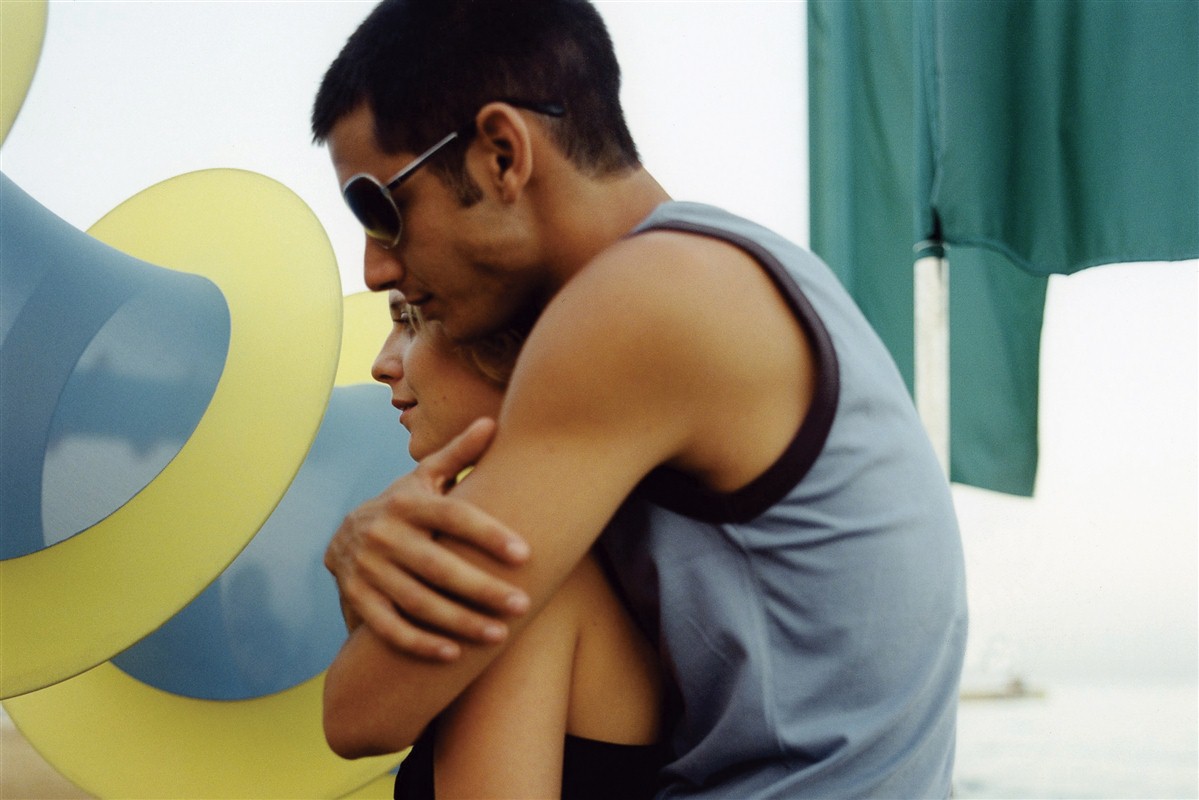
(504, 145)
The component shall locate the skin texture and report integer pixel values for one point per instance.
(641, 358)
(581, 667)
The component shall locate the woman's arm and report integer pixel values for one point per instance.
(582, 667)
(504, 736)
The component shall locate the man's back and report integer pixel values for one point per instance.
(813, 622)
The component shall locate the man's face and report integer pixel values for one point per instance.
(461, 265)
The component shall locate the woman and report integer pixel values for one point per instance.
(572, 707)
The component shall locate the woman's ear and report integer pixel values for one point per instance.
(504, 145)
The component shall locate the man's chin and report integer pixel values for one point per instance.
(460, 334)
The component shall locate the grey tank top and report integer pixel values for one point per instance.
(812, 624)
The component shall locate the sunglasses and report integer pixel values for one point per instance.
(372, 202)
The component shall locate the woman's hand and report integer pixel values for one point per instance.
(395, 575)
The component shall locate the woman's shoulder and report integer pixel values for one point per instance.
(616, 692)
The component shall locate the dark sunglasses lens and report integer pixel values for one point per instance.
(370, 204)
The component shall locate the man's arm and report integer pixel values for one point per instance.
(363, 548)
(559, 467)
(630, 367)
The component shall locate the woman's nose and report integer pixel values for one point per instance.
(388, 366)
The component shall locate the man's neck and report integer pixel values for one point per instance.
(586, 216)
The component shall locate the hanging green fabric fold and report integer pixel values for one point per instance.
(1049, 134)
(1060, 134)
(863, 131)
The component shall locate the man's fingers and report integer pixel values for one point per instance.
(434, 582)
(406, 637)
(414, 587)
(384, 617)
(463, 451)
(465, 523)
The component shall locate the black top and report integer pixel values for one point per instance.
(591, 770)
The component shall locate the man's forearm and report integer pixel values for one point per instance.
(385, 559)
(378, 698)
(353, 721)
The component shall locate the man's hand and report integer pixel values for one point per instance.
(413, 592)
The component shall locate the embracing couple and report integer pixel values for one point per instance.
(676, 529)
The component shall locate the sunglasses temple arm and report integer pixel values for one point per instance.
(421, 159)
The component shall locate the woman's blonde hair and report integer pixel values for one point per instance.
(494, 356)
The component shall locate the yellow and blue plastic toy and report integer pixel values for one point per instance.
(183, 421)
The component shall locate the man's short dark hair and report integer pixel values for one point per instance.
(425, 67)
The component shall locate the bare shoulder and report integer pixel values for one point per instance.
(663, 303)
(671, 331)
(665, 275)
(605, 642)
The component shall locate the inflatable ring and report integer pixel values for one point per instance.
(22, 31)
(71, 606)
(116, 736)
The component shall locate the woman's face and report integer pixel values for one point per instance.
(434, 384)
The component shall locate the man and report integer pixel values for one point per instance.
(790, 543)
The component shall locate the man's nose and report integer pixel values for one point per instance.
(381, 268)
